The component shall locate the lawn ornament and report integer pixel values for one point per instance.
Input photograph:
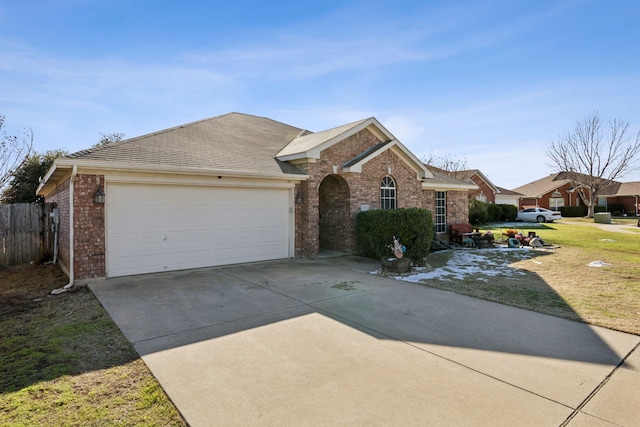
(513, 242)
(397, 263)
(536, 242)
(397, 248)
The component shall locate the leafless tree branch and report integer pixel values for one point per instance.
(14, 150)
(593, 155)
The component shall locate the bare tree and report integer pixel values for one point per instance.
(108, 138)
(447, 163)
(593, 155)
(14, 150)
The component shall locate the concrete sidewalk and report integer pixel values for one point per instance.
(324, 342)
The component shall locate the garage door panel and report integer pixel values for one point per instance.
(153, 228)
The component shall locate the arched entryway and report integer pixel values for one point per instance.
(334, 219)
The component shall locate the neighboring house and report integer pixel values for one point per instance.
(484, 189)
(556, 191)
(626, 194)
(507, 197)
(231, 189)
(551, 192)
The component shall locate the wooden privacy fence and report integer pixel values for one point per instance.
(25, 233)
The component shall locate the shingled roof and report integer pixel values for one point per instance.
(542, 186)
(308, 141)
(234, 142)
(554, 181)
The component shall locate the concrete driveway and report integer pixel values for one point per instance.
(324, 342)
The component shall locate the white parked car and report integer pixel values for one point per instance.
(538, 215)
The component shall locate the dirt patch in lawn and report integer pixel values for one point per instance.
(25, 287)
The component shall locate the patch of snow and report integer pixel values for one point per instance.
(517, 224)
(471, 262)
(599, 264)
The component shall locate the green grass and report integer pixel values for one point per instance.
(560, 282)
(65, 363)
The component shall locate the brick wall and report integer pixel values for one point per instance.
(484, 189)
(544, 201)
(60, 196)
(629, 203)
(363, 189)
(89, 232)
(457, 207)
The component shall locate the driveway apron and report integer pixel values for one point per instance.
(326, 342)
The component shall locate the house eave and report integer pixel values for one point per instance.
(62, 166)
(488, 182)
(444, 186)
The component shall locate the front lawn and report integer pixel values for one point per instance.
(559, 282)
(64, 362)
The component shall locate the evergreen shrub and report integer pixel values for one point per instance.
(495, 212)
(573, 211)
(509, 212)
(413, 227)
(478, 212)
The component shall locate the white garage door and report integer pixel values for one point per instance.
(152, 228)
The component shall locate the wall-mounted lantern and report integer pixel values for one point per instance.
(299, 198)
(99, 197)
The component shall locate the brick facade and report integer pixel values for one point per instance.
(457, 207)
(326, 205)
(484, 189)
(331, 198)
(60, 196)
(570, 199)
(89, 231)
(630, 203)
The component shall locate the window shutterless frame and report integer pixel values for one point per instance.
(388, 193)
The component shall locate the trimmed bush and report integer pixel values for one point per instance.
(509, 212)
(573, 211)
(413, 227)
(495, 212)
(616, 209)
(478, 212)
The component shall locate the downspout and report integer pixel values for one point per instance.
(636, 196)
(71, 250)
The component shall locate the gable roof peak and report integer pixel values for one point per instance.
(310, 144)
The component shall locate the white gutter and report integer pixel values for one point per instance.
(155, 168)
(444, 186)
(71, 236)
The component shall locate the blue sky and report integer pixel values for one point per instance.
(491, 82)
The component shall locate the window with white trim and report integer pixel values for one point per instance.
(388, 193)
(441, 212)
(556, 203)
